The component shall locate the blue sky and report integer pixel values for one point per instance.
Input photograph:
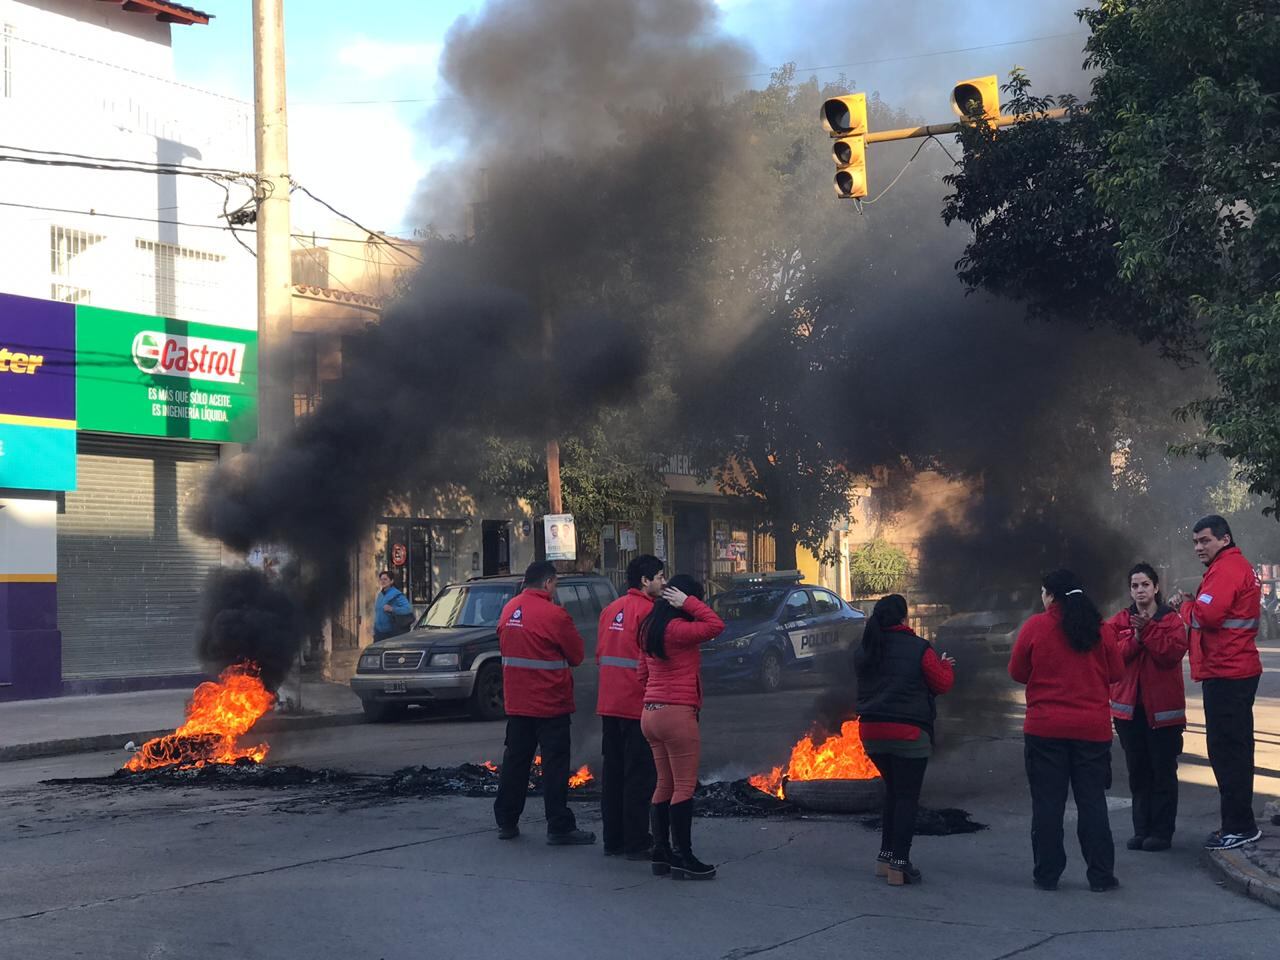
(367, 158)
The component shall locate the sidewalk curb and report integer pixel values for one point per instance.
(1243, 877)
(116, 741)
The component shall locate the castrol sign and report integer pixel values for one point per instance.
(191, 358)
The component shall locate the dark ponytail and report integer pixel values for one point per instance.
(1081, 620)
(653, 629)
(888, 612)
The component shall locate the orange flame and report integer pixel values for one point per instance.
(581, 778)
(836, 758)
(490, 766)
(220, 712)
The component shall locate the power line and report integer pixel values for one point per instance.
(373, 234)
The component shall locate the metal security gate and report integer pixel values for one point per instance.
(129, 571)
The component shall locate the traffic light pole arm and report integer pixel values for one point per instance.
(934, 129)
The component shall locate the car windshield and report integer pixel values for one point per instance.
(999, 600)
(747, 604)
(472, 605)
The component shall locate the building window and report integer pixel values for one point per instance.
(66, 247)
(184, 281)
(311, 267)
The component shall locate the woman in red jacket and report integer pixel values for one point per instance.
(670, 637)
(1068, 659)
(1149, 707)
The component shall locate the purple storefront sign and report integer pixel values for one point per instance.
(37, 358)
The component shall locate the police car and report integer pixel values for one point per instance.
(774, 626)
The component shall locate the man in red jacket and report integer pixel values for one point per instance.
(627, 776)
(1223, 618)
(540, 647)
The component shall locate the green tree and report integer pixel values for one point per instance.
(1154, 207)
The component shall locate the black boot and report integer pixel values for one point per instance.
(660, 823)
(684, 865)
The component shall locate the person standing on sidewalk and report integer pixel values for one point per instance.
(540, 647)
(1149, 707)
(1068, 659)
(669, 672)
(627, 773)
(392, 611)
(1223, 617)
(899, 675)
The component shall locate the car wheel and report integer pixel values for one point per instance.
(486, 698)
(376, 711)
(771, 671)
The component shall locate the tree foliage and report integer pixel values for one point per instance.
(1154, 207)
(878, 567)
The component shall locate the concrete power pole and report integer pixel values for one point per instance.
(275, 269)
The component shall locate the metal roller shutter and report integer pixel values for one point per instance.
(129, 570)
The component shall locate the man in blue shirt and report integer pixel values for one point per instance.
(389, 605)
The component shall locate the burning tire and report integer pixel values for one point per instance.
(486, 698)
(836, 796)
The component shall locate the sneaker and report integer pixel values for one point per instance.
(508, 833)
(1135, 843)
(1154, 844)
(1108, 884)
(1229, 841)
(572, 837)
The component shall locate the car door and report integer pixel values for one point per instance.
(796, 623)
(828, 633)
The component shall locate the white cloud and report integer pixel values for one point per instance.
(379, 59)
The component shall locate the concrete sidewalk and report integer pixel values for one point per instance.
(1254, 869)
(62, 725)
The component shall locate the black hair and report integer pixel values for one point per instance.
(644, 567)
(654, 628)
(888, 612)
(538, 573)
(386, 573)
(1216, 525)
(1150, 571)
(1081, 620)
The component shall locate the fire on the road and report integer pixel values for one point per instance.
(219, 714)
(579, 779)
(835, 758)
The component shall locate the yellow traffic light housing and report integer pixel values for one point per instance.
(979, 97)
(845, 119)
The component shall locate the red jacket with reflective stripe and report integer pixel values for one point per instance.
(540, 646)
(618, 656)
(1152, 669)
(675, 680)
(1223, 618)
(1068, 692)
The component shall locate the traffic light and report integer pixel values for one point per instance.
(979, 97)
(845, 119)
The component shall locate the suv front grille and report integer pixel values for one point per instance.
(401, 659)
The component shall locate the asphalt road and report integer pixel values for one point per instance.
(157, 873)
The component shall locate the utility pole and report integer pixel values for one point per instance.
(275, 269)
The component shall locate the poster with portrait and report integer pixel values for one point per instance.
(562, 542)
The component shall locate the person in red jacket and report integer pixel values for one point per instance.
(1223, 617)
(627, 773)
(1068, 659)
(669, 666)
(540, 647)
(1149, 707)
(899, 676)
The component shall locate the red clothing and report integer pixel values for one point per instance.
(675, 680)
(939, 676)
(1152, 669)
(1224, 619)
(1068, 692)
(540, 647)
(618, 655)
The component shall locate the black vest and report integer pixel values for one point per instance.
(897, 692)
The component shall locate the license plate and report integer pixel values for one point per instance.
(395, 686)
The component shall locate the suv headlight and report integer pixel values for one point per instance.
(370, 661)
(445, 659)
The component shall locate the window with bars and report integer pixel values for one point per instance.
(311, 266)
(183, 280)
(66, 246)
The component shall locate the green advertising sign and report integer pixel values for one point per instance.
(165, 378)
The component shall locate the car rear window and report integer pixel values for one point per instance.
(747, 604)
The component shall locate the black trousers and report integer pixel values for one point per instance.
(525, 735)
(1053, 765)
(1228, 730)
(627, 779)
(1151, 757)
(903, 777)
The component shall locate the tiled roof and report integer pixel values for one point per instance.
(163, 11)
